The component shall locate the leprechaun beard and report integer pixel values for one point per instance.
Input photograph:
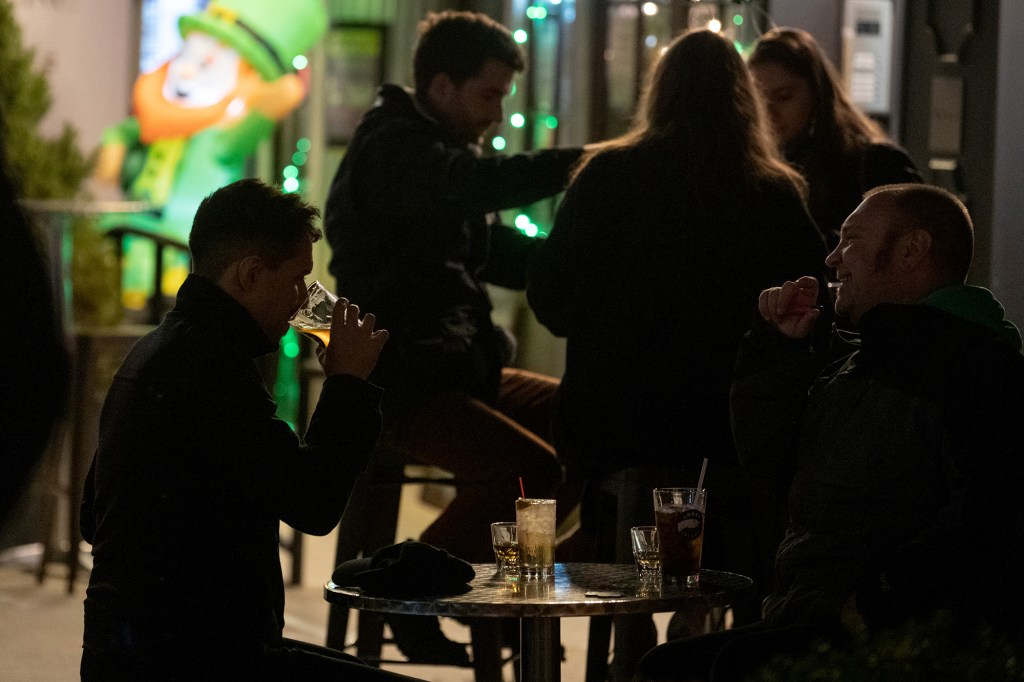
(161, 119)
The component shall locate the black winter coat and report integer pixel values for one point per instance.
(902, 465)
(191, 478)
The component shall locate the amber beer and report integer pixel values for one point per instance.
(321, 333)
(679, 515)
(314, 317)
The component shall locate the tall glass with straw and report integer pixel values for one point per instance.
(679, 515)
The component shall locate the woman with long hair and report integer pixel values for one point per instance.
(652, 271)
(840, 151)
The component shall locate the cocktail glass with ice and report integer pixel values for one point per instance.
(535, 530)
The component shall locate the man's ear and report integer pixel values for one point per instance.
(441, 89)
(915, 249)
(249, 270)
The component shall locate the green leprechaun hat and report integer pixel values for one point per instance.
(268, 34)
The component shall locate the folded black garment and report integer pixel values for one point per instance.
(407, 570)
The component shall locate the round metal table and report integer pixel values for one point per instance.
(575, 590)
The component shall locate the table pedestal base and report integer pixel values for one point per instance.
(541, 643)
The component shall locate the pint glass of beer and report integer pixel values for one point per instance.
(679, 514)
(314, 317)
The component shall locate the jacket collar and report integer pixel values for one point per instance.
(199, 298)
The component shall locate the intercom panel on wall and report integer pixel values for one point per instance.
(867, 53)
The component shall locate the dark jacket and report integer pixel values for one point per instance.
(191, 478)
(652, 281)
(408, 220)
(901, 460)
(838, 182)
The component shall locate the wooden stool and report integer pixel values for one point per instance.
(369, 523)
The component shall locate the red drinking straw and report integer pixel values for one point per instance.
(521, 489)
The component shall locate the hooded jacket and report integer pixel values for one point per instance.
(900, 461)
(409, 219)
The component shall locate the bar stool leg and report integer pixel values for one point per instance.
(486, 644)
(598, 638)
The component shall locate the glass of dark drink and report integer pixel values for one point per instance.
(679, 515)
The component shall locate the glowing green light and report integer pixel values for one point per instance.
(298, 158)
(536, 12)
(522, 221)
(304, 145)
(513, 90)
(517, 120)
(531, 12)
(520, 36)
(739, 46)
(531, 230)
(290, 172)
(290, 347)
(290, 185)
(551, 122)
(498, 142)
(300, 62)
(737, 19)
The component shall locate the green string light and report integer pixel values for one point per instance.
(290, 346)
(498, 142)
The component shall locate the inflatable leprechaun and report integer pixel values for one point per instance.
(198, 118)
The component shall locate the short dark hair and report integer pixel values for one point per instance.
(939, 213)
(459, 44)
(249, 217)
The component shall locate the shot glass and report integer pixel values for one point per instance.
(679, 514)
(646, 551)
(535, 527)
(314, 317)
(506, 547)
